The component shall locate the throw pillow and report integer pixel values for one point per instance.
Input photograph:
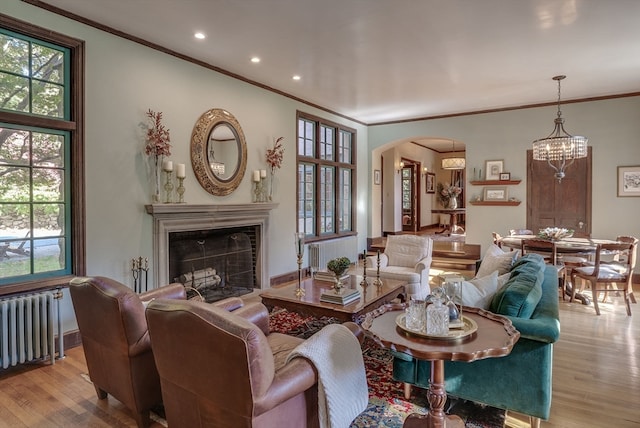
(522, 292)
(478, 292)
(496, 260)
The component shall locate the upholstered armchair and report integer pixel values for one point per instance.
(227, 369)
(116, 341)
(405, 258)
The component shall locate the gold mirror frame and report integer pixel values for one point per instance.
(202, 130)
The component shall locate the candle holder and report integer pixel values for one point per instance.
(299, 242)
(378, 282)
(180, 190)
(259, 192)
(364, 284)
(168, 187)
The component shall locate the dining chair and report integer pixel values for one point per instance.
(619, 270)
(549, 251)
(496, 239)
(632, 240)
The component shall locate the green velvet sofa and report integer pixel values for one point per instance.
(520, 381)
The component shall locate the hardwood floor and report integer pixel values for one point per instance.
(596, 380)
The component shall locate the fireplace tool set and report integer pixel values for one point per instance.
(140, 269)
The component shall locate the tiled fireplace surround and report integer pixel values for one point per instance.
(169, 218)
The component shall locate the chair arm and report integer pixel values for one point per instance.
(171, 291)
(424, 264)
(256, 313)
(544, 329)
(372, 261)
(230, 303)
(295, 377)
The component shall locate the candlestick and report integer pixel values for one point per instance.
(378, 282)
(299, 244)
(168, 186)
(364, 282)
(180, 171)
(180, 189)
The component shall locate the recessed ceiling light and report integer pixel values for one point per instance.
(255, 60)
(296, 77)
(199, 36)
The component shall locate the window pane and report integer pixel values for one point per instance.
(48, 185)
(14, 184)
(344, 154)
(15, 55)
(306, 199)
(48, 99)
(48, 220)
(14, 147)
(326, 142)
(47, 255)
(327, 199)
(48, 64)
(306, 138)
(345, 202)
(406, 188)
(14, 92)
(48, 150)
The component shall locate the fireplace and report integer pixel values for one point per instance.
(215, 249)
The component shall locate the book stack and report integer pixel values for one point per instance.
(344, 298)
(326, 276)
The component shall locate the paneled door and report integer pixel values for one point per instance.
(561, 204)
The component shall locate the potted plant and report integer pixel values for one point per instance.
(339, 267)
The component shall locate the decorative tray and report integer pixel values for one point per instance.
(469, 327)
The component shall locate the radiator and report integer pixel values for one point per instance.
(322, 252)
(27, 328)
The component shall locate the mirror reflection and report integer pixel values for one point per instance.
(222, 151)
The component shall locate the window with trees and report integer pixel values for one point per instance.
(326, 178)
(41, 164)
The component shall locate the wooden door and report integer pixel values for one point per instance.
(409, 194)
(562, 204)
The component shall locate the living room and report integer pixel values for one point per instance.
(124, 79)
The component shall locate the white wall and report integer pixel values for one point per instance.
(612, 127)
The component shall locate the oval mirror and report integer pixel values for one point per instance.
(218, 152)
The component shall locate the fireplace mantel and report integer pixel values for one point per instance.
(169, 218)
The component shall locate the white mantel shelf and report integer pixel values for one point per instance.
(159, 209)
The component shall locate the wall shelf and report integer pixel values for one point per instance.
(494, 182)
(496, 203)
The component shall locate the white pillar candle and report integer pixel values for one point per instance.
(263, 173)
(167, 165)
(180, 171)
(256, 175)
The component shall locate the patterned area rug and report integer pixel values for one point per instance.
(387, 406)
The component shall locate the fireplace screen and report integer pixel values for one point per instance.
(215, 264)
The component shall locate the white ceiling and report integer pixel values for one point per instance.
(387, 60)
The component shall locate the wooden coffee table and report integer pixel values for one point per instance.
(309, 304)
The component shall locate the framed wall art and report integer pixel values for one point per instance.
(376, 176)
(628, 181)
(495, 194)
(505, 176)
(493, 169)
(430, 182)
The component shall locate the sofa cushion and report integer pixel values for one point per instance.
(407, 250)
(522, 292)
(397, 272)
(479, 292)
(496, 259)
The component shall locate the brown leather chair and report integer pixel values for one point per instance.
(227, 370)
(116, 341)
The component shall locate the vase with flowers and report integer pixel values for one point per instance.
(157, 147)
(448, 195)
(274, 157)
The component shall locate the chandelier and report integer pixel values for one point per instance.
(560, 149)
(453, 163)
(216, 167)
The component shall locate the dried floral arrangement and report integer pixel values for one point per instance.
(158, 137)
(275, 155)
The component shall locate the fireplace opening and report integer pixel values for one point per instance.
(214, 263)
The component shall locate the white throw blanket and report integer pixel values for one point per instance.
(342, 382)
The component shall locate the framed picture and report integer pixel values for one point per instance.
(376, 176)
(495, 194)
(628, 181)
(431, 182)
(493, 169)
(505, 176)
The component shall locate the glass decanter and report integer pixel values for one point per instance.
(437, 314)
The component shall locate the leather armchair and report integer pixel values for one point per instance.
(116, 341)
(227, 370)
(405, 258)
